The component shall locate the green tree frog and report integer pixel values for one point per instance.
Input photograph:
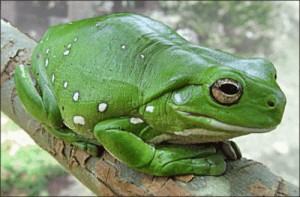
(156, 102)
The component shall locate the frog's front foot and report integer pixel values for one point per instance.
(158, 160)
(171, 160)
(230, 149)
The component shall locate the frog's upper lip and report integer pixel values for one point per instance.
(217, 125)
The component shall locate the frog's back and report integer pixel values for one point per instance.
(95, 66)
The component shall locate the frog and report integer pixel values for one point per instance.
(156, 102)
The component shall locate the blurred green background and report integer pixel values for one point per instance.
(251, 29)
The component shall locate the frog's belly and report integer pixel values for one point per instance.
(194, 136)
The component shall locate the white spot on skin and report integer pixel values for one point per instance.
(53, 78)
(46, 62)
(78, 120)
(142, 56)
(177, 98)
(69, 46)
(47, 51)
(75, 96)
(65, 84)
(123, 47)
(134, 120)
(75, 39)
(66, 52)
(150, 109)
(102, 107)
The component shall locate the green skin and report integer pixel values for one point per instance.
(134, 86)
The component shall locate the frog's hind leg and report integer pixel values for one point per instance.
(43, 108)
(28, 94)
(87, 144)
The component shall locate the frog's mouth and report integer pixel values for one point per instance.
(217, 125)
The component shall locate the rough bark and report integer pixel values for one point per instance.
(107, 176)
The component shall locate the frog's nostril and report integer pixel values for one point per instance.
(271, 103)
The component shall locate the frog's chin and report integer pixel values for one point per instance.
(216, 125)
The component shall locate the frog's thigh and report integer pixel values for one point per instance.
(89, 145)
(116, 135)
(44, 109)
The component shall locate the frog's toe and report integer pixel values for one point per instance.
(231, 150)
(92, 149)
(213, 165)
(200, 166)
(217, 165)
(197, 166)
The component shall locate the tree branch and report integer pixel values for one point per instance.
(107, 176)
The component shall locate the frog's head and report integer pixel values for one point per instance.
(239, 97)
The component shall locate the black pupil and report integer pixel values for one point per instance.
(229, 89)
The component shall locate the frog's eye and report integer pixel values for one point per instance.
(226, 91)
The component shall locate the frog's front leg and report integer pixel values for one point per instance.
(120, 137)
